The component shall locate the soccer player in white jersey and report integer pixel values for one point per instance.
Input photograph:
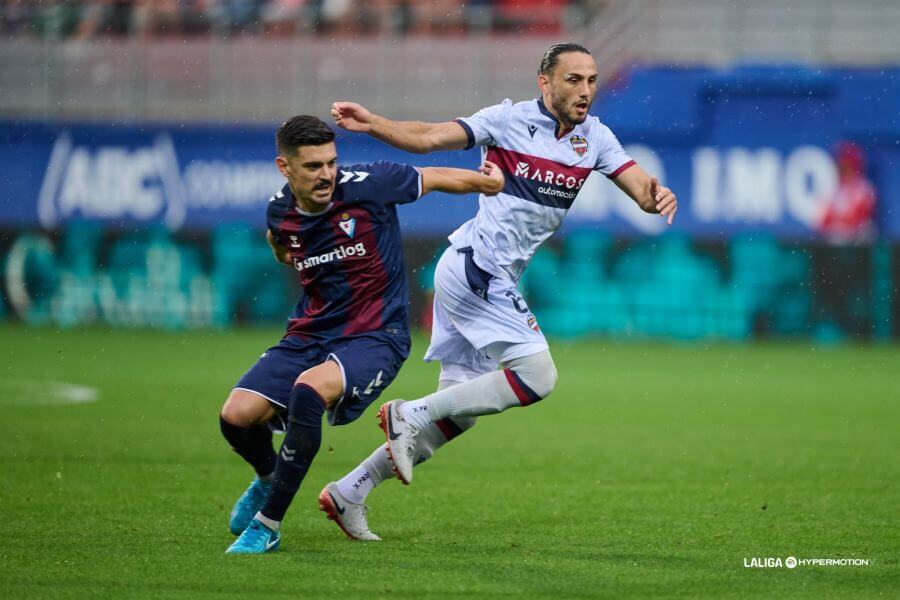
(547, 148)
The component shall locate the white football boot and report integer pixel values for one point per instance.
(351, 518)
(401, 440)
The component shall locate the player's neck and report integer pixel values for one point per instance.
(562, 127)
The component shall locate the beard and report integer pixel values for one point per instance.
(566, 112)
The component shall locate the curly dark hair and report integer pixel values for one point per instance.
(551, 56)
(301, 130)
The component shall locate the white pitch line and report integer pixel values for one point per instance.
(33, 392)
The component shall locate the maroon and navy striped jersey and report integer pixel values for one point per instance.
(349, 256)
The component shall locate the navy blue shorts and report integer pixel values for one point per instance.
(369, 362)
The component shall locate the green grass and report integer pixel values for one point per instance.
(652, 470)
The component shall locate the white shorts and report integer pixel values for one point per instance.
(479, 321)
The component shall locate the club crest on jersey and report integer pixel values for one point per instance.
(295, 241)
(579, 144)
(347, 225)
(532, 322)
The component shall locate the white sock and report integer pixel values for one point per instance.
(273, 525)
(523, 381)
(357, 484)
(415, 412)
(370, 473)
(486, 394)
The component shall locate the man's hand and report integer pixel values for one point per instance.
(351, 116)
(666, 202)
(492, 172)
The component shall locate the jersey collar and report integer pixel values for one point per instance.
(313, 214)
(299, 210)
(559, 131)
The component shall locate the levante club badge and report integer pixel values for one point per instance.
(579, 144)
(348, 225)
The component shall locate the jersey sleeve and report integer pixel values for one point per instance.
(396, 183)
(612, 158)
(487, 125)
(275, 214)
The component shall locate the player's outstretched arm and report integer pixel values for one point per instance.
(412, 136)
(646, 191)
(280, 252)
(487, 180)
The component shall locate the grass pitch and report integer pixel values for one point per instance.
(652, 470)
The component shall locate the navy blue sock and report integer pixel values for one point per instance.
(253, 444)
(301, 443)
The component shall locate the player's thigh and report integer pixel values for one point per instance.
(449, 346)
(466, 370)
(275, 372)
(327, 379)
(369, 364)
(489, 312)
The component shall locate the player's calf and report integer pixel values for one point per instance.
(301, 444)
(522, 382)
(242, 422)
(433, 437)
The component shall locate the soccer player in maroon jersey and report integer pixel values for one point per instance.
(348, 335)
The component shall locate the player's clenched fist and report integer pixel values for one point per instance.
(666, 202)
(493, 172)
(351, 116)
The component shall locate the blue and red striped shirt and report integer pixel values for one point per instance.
(349, 256)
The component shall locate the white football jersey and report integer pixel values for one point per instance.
(544, 172)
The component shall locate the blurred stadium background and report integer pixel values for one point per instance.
(137, 155)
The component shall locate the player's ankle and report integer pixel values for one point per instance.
(270, 523)
(415, 412)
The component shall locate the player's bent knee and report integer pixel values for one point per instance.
(246, 409)
(465, 423)
(533, 377)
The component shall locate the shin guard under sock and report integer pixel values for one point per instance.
(301, 443)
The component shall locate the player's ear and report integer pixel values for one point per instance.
(543, 83)
(283, 165)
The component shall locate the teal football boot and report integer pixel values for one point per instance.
(250, 503)
(256, 539)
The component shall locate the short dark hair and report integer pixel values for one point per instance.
(301, 130)
(551, 56)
